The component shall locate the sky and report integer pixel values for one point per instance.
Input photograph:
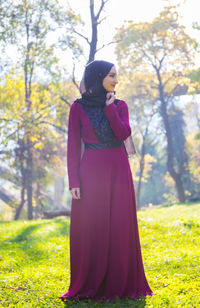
(117, 11)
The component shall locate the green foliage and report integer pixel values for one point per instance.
(193, 149)
(155, 59)
(38, 121)
(35, 29)
(26, 25)
(46, 123)
(35, 264)
(194, 75)
(161, 45)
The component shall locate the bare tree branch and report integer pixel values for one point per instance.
(101, 20)
(104, 45)
(10, 135)
(161, 61)
(64, 100)
(94, 34)
(4, 152)
(54, 125)
(8, 120)
(103, 2)
(81, 35)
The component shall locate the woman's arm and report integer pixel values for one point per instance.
(119, 119)
(74, 146)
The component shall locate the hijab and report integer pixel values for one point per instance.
(93, 100)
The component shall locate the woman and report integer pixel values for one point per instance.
(105, 253)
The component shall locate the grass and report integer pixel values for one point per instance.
(35, 265)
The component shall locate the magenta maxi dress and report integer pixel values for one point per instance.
(105, 252)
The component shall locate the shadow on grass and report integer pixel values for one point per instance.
(26, 240)
(119, 303)
(27, 233)
(64, 226)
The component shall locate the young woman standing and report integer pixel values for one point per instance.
(105, 252)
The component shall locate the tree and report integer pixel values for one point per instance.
(31, 23)
(142, 110)
(48, 136)
(164, 51)
(96, 20)
(76, 29)
(193, 150)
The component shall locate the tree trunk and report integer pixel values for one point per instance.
(20, 207)
(29, 180)
(170, 154)
(180, 189)
(28, 71)
(58, 192)
(93, 43)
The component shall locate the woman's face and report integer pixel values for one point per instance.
(110, 81)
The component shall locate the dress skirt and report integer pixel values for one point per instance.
(105, 252)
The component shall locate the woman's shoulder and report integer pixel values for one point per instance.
(75, 105)
(75, 109)
(121, 103)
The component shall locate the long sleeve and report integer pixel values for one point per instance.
(119, 119)
(74, 146)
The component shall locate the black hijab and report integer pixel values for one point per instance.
(93, 100)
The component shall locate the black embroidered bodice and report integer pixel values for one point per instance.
(100, 123)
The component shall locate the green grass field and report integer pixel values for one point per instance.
(35, 265)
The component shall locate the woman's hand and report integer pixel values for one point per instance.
(110, 97)
(75, 193)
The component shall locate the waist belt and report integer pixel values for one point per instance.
(103, 145)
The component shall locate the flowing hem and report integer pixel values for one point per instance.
(65, 298)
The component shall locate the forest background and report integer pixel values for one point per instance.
(44, 48)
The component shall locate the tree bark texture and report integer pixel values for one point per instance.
(170, 154)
